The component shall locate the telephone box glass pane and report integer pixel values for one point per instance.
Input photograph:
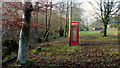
(73, 33)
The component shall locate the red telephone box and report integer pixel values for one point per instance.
(74, 33)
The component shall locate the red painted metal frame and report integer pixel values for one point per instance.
(76, 24)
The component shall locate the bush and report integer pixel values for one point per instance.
(9, 45)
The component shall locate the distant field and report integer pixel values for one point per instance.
(89, 32)
(96, 32)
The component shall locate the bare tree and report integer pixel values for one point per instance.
(48, 20)
(106, 9)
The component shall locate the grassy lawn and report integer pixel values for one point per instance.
(89, 32)
(96, 32)
(93, 51)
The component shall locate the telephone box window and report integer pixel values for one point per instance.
(74, 33)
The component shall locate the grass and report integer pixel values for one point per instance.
(96, 32)
(28, 63)
(98, 52)
(64, 54)
(89, 32)
(13, 54)
(37, 49)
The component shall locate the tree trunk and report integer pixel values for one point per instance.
(46, 23)
(67, 22)
(105, 31)
(23, 50)
(24, 35)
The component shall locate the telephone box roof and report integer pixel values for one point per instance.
(74, 21)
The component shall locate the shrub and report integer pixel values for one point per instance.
(9, 45)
